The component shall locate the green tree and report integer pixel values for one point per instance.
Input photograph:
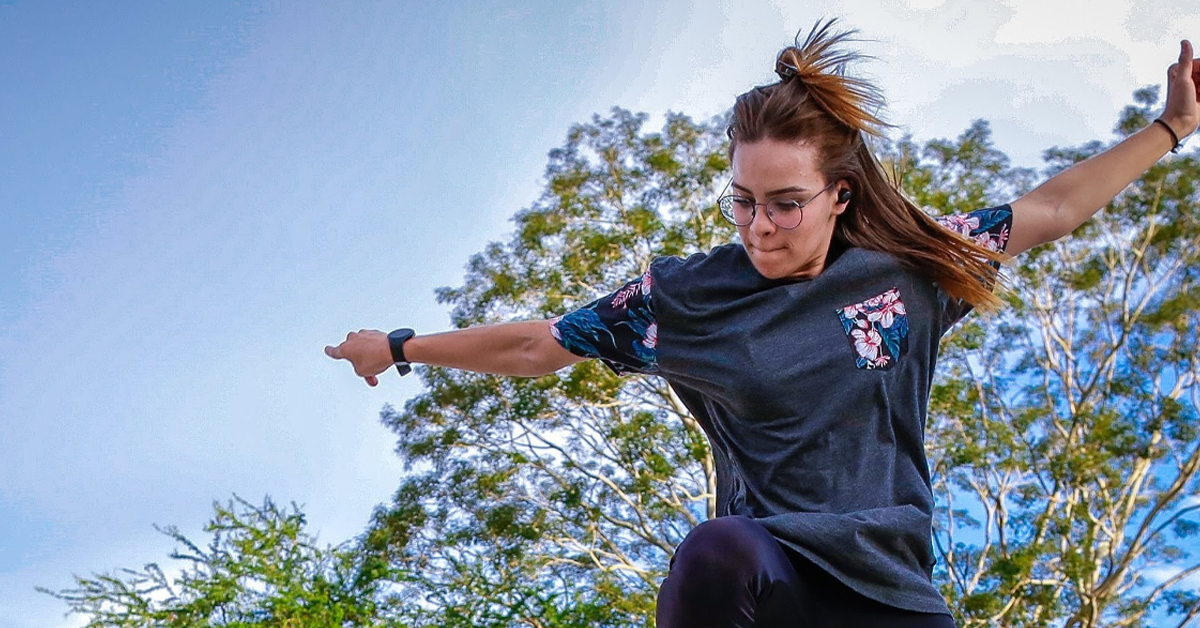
(557, 501)
(1064, 429)
(1063, 464)
(260, 569)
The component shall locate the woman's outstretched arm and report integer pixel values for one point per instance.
(525, 349)
(1065, 201)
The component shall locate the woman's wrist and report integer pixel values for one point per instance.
(1174, 137)
(414, 349)
(1183, 126)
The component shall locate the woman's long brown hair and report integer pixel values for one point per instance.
(819, 105)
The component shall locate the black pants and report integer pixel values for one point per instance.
(730, 571)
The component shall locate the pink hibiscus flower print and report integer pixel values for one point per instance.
(651, 339)
(877, 329)
(960, 223)
(888, 309)
(866, 342)
(993, 242)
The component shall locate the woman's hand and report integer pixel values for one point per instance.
(367, 350)
(1182, 110)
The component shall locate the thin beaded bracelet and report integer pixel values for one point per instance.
(1172, 132)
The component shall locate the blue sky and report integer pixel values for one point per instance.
(195, 198)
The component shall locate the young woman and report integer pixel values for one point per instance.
(806, 350)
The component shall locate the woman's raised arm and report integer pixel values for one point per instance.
(1065, 201)
(524, 349)
(619, 328)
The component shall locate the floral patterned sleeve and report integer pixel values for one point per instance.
(619, 329)
(989, 228)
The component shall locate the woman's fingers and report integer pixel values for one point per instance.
(1189, 66)
(1182, 112)
(1183, 69)
(366, 350)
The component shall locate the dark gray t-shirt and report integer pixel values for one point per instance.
(813, 395)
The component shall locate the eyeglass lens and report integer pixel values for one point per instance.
(740, 211)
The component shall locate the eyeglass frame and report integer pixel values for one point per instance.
(754, 207)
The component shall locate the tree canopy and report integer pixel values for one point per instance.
(1062, 432)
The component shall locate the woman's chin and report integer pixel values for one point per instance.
(776, 264)
(769, 264)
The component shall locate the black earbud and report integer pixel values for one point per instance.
(843, 195)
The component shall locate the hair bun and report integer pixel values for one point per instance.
(819, 62)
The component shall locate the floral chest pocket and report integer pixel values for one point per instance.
(877, 330)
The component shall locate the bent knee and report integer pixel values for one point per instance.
(730, 542)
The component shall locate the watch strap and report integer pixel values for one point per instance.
(396, 340)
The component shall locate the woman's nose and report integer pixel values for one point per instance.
(761, 223)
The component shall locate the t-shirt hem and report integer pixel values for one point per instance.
(934, 603)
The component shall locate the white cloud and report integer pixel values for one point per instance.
(1155, 576)
(1060, 21)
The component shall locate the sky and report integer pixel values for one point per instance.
(195, 198)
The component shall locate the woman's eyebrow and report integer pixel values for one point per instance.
(787, 190)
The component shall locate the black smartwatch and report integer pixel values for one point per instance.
(396, 341)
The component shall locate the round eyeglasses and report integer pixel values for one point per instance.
(786, 213)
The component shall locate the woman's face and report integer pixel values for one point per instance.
(770, 169)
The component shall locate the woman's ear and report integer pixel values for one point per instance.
(843, 196)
